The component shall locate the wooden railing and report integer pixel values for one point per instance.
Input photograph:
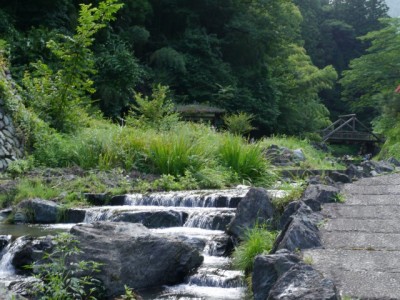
(344, 129)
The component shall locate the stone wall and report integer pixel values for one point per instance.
(10, 145)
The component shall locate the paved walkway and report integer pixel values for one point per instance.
(362, 240)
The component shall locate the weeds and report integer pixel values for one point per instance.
(339, 198)
(256, 241)
(61, 279)
(246, 160)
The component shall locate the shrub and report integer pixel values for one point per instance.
(246, 160)
(256, 241)
(155, 112)
(62, 279)
(174, 153)
(239, 124)
(20, 166)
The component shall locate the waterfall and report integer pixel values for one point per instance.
(6, 267)
(205, 198)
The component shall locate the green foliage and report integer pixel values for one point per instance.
(239, 124)
(299, 83)
(20, 166)
(60, 97)
(30, 188)
(340, 198)
(173, 154)
(129, 294)
(257, 240)
(293, 193)
(245, 160)
(155, 112)
(370, 83)
(113, 90)
(63, 279)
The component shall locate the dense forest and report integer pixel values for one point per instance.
(276, 59)
(291, 66)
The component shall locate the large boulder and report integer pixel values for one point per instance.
(268, 268)
(131, 255)
(289, 211)
(38, 211)
(301, 232)
(303, 282)
(255, 208)
(25, 250)
(320, 193)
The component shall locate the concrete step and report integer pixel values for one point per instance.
(352, 199)
(362, 225)
(380, 212)
(360, 274)
(361, 240)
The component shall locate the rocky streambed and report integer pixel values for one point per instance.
(181, 252)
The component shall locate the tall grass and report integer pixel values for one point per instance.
(34, 188)
(246, 160)
(174, 153)
(256, 241)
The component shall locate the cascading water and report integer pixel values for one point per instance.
(208, 213)
(8, 253)
(198, 218)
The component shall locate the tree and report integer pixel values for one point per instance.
(61, 96)
(370, 83)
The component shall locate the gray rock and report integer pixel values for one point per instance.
(321, 193)
(299, 155)
(152, 219)
(4, 241)
(27, 250)
(220, 246)
(7, 133)
(255, 208)
(339, 177)
(303, 282)
(354, 171)
(290, 209)
(118, 200)
(98, 199)
(384, 167)
(394, 162)
(39, 211)
(73, 215)
(133, 256)
(6, 120)
(268, 268)
(301, 232)
(21, 287)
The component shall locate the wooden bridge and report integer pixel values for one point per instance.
(345, 130)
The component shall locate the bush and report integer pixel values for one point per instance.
(156, 112)
(246, 160)
(256, 241)
(20, 166)
(174, 153)
(62, 279)
(239, 124)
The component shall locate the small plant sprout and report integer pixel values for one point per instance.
(308, 260)
(339, 198)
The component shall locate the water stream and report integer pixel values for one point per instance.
(197, 218)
